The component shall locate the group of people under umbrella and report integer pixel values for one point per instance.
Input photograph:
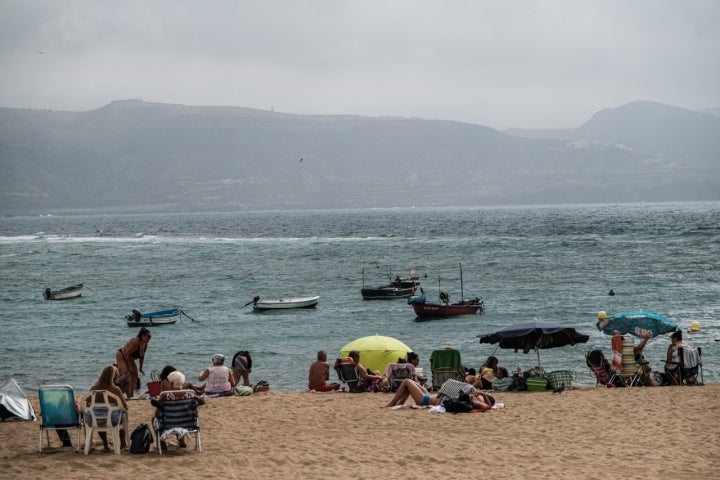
(378, 351)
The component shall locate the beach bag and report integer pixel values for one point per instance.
(154, 387)
(242, 390)
(261, 386)
(519, 384)
(140, 439)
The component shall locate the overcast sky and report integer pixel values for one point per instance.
(504, 63)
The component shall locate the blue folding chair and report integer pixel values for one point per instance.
(58, 411)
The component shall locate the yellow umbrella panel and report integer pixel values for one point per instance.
(377, 351)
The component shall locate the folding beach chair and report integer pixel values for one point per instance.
(445, 365)
(685, 372)
(179, 413)
(600, 367)
(347, 373)
(397, 372)
(58, 411)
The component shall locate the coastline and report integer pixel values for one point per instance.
(592, 433)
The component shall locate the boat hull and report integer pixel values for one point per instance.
(429, 311)
(286, 303)
(382, 293)
(65, 294)
(161, 317)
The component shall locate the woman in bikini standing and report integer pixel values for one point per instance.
(125, 358)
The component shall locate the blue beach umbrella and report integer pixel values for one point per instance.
(638, 323)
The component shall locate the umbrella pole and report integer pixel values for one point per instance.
(537, 350)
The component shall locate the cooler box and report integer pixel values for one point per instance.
(536, 384)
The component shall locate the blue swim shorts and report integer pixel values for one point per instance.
(426, 400)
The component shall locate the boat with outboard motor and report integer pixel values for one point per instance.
(283, 303)
(425, 310)
(397, 288)
(156, 318)
(67, 293)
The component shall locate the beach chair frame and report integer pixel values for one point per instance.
(58, 411)
(100, 415)
(180, 413)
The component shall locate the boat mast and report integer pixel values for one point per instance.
(462, 295)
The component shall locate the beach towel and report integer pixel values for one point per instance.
(616, 360)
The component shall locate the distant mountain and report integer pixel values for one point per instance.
(132, 156)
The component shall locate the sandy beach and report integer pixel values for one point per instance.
(591, 433)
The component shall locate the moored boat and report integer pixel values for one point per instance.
(65, 293)
(425, 310)
(386, 292)
(159, 317)
(283, 303)
(397, 288)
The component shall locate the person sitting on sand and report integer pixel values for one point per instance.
(368, 378)
(502, 380)
(487, 373)
(319, 374)
(471, 376)
(106, 381)
(220, 380)
(177, 391)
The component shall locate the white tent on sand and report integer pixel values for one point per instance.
(14, 403)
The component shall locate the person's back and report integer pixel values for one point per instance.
(219, 377)
(319, 374)
(217, 380)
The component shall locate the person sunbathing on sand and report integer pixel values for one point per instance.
(410, 388)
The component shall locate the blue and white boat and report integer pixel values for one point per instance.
(147, 319)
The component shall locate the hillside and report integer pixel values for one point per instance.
(132, 156)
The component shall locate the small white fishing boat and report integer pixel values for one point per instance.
(74, 291)
(283, 303)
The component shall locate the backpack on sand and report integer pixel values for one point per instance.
(140, 439)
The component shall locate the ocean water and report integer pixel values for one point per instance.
(554, 263)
